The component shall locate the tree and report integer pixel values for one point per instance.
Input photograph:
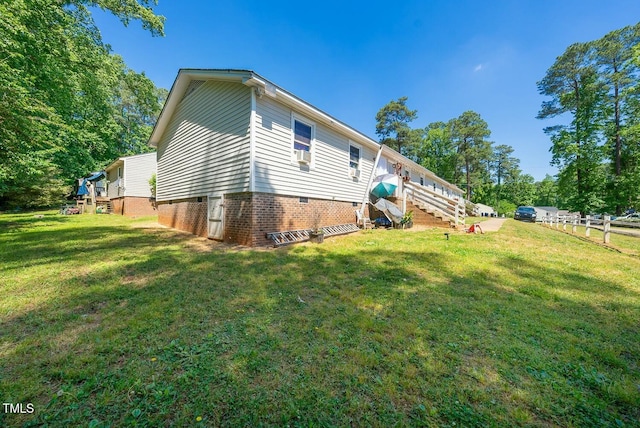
(137, 104)
(504, 166)
(59, 83)
(573, 86)
(547, 193)
(506, 208)
(437, 152)
(469, 132)
(127, 11)
(618, 72)
(393, 125)
(521, 190)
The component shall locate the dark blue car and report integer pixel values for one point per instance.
(525, 214)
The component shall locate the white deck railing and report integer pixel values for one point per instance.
(435, 203)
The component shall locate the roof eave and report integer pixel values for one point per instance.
(180, 85)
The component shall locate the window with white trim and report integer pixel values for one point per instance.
(302, 135)
(354, 156)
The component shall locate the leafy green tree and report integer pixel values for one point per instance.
(506, 208)
(572, 83)
(469, 133)
(393, 126)
(126, 11)
(137, 104)
(59, 81)
(617, 70)
(437, 151)
(547, 193)
(521, 190)
(504, 168)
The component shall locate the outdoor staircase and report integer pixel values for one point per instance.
(293, 236)
(443, 208)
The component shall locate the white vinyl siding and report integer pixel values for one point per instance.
(137, 172)
(326, 179)
(113, 191)
(205, 148)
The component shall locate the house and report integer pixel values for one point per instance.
(482, 210)
(238, 157)
(128, 188)
(553, 213)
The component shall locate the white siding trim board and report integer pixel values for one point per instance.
(252, 143)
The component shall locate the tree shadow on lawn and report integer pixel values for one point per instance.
(304, 335)
(9, 220)
(79, 244)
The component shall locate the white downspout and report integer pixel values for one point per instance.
(365, 198)
(404, 200)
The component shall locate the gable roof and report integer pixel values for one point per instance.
(250, 79)
(265, 87)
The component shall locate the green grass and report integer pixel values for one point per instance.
(106, 322)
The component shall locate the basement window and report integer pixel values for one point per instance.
(304, 200)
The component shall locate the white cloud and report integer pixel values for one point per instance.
(478, 67)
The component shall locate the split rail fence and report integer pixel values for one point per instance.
(603, 224)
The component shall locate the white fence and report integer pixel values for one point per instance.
(603, 224)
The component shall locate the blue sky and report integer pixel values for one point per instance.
(350, 58)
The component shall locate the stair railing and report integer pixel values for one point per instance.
(436, 203)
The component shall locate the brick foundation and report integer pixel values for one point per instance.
(187, 215)
(133, 206)
(249, 216)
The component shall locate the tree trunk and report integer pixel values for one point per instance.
(468, 180)
(618, 145)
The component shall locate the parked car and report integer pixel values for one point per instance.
(632, 217)
(525, 214)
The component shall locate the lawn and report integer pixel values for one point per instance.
(107, 321)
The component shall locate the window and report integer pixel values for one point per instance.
(302, 136)
(354, 157)
(421, 180)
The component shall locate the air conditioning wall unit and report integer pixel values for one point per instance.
(354, 172)
(303, 156)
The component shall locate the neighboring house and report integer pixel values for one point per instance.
(552, 213)
(128, 187)
(546, 212)
(239, 157)
(482, 210)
